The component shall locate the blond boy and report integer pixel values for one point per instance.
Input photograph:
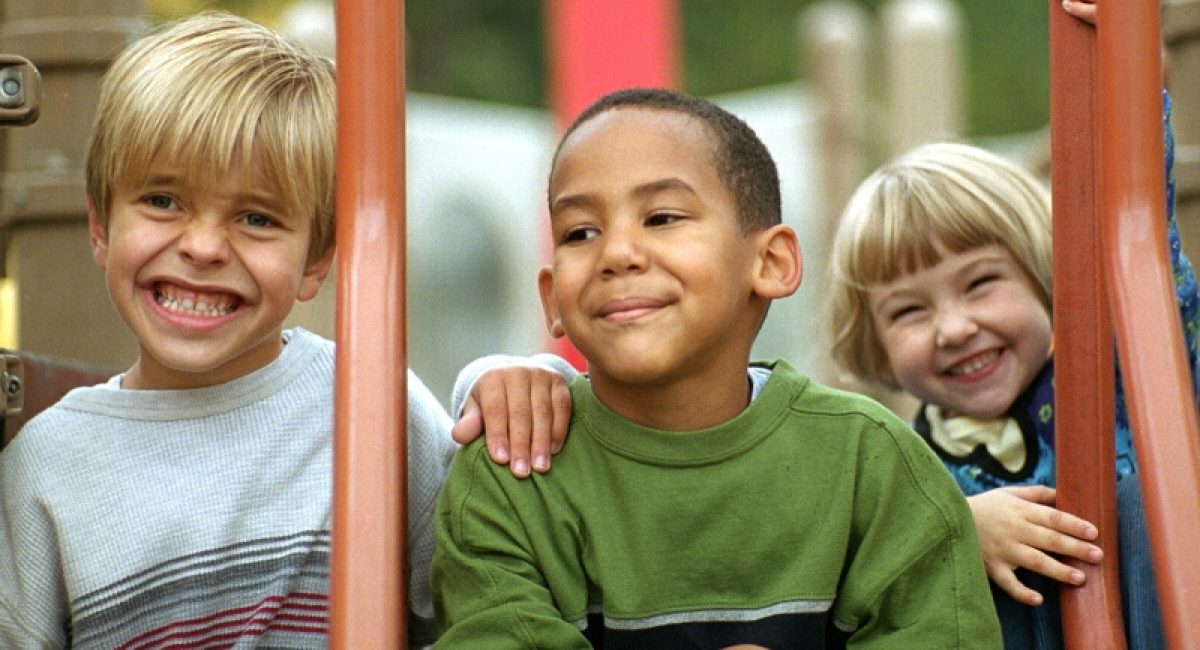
(187, 501)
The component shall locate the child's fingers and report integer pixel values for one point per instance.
(469, 425)
(491, 392)
(1065, 523)
(1006, 579)
(1085, 11)
(1039, 511)
(550, 414)
(1039, 562)
(511, 421)
(523, 412)
(560, 404)
(1033, 493)
(542, 411)
(1066, 545)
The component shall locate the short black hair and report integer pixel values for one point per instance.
(742, 161)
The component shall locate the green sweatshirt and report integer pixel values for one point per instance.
(813, 519)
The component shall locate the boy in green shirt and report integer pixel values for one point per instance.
(697, 504)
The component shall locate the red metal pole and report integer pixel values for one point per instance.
(1149, 334)
(598, 46)
(1083, 336)
(369, 563)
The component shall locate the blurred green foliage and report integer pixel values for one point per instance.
(494, 50)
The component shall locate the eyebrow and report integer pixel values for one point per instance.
(265, 200)
(163, 179)
(988, 258)
(641, 191)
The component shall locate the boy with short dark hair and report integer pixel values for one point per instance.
(697, 504)
(187, 501)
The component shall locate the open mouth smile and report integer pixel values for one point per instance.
(186, 302)
(974, 364)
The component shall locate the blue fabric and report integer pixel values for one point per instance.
(1139, 595)
(1030, 628)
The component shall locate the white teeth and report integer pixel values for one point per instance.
(188, 306)
(975, 365)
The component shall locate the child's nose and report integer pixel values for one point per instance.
(623, 251)
(954, 327)
(204, 243)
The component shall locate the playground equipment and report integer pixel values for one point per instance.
(1114, 69)
(369, 556)
(1141, 300)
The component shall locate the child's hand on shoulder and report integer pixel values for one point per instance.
(523, 411)
(1018, 527)
(1084, 10)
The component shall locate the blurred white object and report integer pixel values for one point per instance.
(311, 23)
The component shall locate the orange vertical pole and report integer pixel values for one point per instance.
(367, 590)
(1083, 336)
(1149, 334)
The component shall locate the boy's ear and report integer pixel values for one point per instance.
(98, 236)
(780, 266)
(314, 275)
(549, 304)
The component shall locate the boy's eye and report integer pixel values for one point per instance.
(160, 201)
(661, 219)
(579, 234)
(257, 220)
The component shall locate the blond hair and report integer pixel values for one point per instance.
(936, 198)
(210, 90)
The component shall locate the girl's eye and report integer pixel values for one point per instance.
(903, 312)
(579, 234)
(982, 280)
(661, 219)
(257, 220)
(160, 201)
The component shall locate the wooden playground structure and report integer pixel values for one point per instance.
(1111, 274)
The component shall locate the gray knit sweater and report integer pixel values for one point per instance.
(199, 517)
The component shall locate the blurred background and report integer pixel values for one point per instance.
(833, 87)
(494, 50)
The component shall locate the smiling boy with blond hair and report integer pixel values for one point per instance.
(186, 502)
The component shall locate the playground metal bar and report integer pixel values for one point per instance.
(369, 559)
(1149, 334)
(1083, 335)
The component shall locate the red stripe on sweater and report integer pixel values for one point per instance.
(268, 614)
